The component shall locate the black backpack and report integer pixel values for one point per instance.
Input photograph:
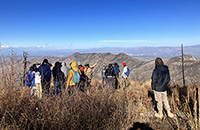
(110, 71)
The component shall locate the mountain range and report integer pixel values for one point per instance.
(140, 70)
(143, 53)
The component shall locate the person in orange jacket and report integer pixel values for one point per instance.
(73, 78)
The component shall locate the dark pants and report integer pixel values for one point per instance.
(88, 82)
(57, 87)
(45, 85)
(110, 83)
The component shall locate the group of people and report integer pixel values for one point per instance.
(78, 76)
(110, 75)
(40, 75)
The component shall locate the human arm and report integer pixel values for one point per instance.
(93, 66)
(154, 79)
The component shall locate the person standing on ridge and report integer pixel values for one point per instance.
(160, 79)
(38, 81)
(65, 69)
(110, 77)
(45, 73)
(81, 84)
(73, 78)
(117, 71)
(58, 78)
(88, 73)
(103, 74)
(125, 74)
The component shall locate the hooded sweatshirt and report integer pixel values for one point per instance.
(160, 78)
(71, 74)
(64, 69)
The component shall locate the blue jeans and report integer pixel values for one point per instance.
(57, 87)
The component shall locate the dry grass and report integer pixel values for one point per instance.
(96, 109)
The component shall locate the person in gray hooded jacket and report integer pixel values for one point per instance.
(160, 79)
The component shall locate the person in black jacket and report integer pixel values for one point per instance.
(45, 72)
(110, 77)
(58, 78)
(160, 79)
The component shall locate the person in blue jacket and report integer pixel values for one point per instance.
(45, 73)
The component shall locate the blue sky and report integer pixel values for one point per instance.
(72, 24)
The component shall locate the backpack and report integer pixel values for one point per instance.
(76, 78)
(28, 80)
(128, 72)
(110, 72)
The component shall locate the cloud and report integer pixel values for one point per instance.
(133, 41)
(4, 46)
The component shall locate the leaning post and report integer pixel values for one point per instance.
(25, 55)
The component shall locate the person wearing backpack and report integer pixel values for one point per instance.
(45, 73)
(38, 81)
(117, 71)
(73, 78)
(81, 84)
(110, 77)
(58, 78)
(160, 79)
(88, 73)
(32, 80)
(125, 74)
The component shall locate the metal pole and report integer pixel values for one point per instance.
(25, 54)
(183, 66)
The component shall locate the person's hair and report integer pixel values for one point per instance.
(31, 68)
(110, 66)
(58, 65)
(87, 65)
(34, 65)
(159, 61)
(45, 61)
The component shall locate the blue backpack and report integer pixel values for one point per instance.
(76, 78)
(128, 72)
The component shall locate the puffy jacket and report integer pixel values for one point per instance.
(58, 75)
(71, 74)
(45, 72)
(116, 69)
(32, 78)
(160, 78)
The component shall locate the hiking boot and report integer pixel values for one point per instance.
(170, 114)
(159, 115)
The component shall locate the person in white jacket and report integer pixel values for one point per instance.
(38, 81)
(124, 70)
(124, 75)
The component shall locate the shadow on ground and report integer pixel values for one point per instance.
(140, 126)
